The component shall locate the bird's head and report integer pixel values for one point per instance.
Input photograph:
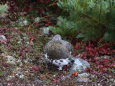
(57, 38)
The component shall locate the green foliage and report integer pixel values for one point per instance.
(110, 34)
(1, 73)
(3, 9)
(65, 28)
(92, 18)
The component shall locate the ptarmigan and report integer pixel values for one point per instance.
(58, 51)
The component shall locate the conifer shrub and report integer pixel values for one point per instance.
(87, 19)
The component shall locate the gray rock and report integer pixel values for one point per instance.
(11, 60)
(37, 19)
(3, 39)
(23, 22)
(38, 80)
(79, 65)
(20, 75)
(83, 77)
(45, 30)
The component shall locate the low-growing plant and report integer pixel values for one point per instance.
(3, 9)
(65, 28)
(93, 19)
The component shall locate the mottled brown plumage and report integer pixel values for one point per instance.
(58, 48)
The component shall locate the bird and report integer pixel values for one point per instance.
(58, 48)
(58, 51)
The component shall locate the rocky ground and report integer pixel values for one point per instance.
(22, 64)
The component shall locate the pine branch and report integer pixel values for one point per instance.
(95, 20)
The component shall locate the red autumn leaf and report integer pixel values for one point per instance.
(36, 68)
(77, 46)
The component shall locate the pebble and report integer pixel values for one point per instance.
(3, 39)
(11, 60)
